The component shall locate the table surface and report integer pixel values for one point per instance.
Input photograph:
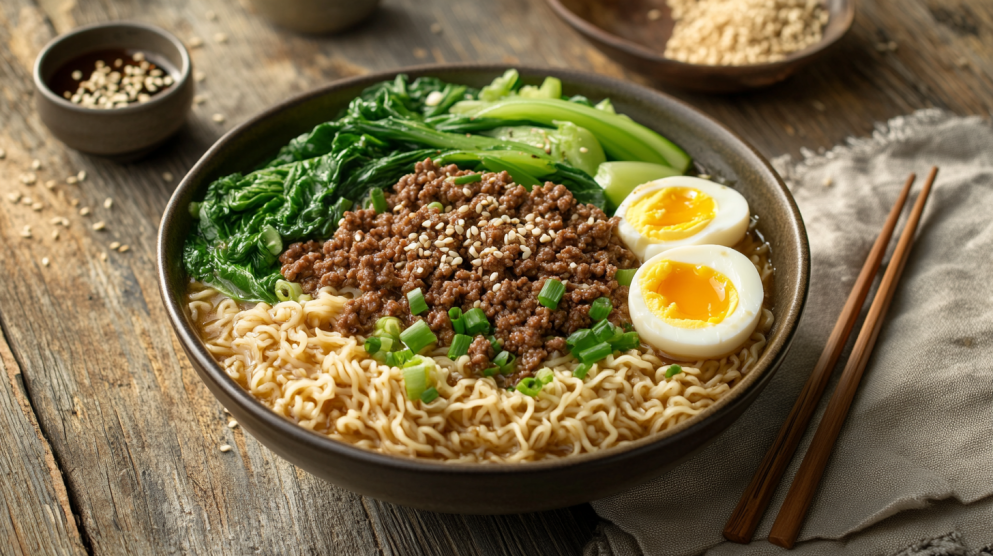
(111, 440)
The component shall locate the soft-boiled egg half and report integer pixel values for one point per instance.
(696, 302)
(681, 210)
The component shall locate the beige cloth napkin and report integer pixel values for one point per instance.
(912, 472)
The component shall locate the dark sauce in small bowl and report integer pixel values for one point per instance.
(112, 78)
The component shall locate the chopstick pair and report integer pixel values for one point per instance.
(746, 516)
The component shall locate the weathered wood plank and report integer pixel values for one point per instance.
(132, 428)
(38, 518)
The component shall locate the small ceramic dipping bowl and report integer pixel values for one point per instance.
(316, 16)
(124, 133)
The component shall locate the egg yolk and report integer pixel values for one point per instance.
(687, 295)
(671, 213)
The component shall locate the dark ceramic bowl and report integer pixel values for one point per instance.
(495, 488)
(624, 32)
(121, 133)
(316, 16)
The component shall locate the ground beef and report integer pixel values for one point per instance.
(493, 245)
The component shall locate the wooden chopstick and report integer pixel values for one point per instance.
(801, 494)
(751, 507)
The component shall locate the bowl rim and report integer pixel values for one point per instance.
(632, 48)
(195, 347)
(178, 85)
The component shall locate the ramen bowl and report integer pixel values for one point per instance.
(494, 488)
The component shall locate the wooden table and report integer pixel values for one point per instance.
(110, 441)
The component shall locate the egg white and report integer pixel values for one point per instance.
(727, 228)
(712, 340)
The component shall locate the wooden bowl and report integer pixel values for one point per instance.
(494, 488)
(623, 31)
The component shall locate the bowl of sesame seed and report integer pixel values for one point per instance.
(714, 46)
(114, 89)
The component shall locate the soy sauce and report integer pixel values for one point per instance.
(126, 77)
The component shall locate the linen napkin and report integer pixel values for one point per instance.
(912, 471)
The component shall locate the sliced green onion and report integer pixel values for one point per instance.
(399, 358)
(603, 331)
(288, 291)
(373, 344)
(415, 381)
(545, 376)
(673, 370)
(625, 275)
(271, 239)
(458, 323)
(418, 336)
(495, 342)
(415, 298)
(627, 341)
(475, 322)
(390, 326)
(436, 205)
(505, 360)
(490, 371)
(582, 339)
(581, 370)
(460, 346)
(551, 293)
(595, 353)
(601, 308)
(429, 395)
(468, 178)
(529, 386)
(378, 200)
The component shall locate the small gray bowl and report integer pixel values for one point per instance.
(316, 17)
(121, 133)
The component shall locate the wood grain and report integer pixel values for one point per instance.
(131, 428)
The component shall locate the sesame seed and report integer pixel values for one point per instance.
(590, 221)
(45, 261)
(36, 164)
(50, 184)
(426, 224)
(211, 15)
(436, 28)
(498, 254)
(464, 208)
(26, 232)
(219, 118)
(572, 265)
(479, 208)
(545, 238)
(477, 262)
(199, 76)
(108, 202)
(493, 277)
(37, 207)
(74, 202)
(124, 249)
(526, 252)
(496, 287)
(29, 178)
(26, 201)
(232, 424)
(195, 42)
(71, 180)
(114, 245)
(467, 192)
(535, 232)
(99, 225)
(55, 220)
(439, 226)
(225, 448)
(221, 38)
(81, 176)
(167, 176)
(65, 222)
(55, 235)
(459, 229)
(457, 261)
(3, 154)
(103, 256)
(827, 182)
(84, 211)
(476, 303)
